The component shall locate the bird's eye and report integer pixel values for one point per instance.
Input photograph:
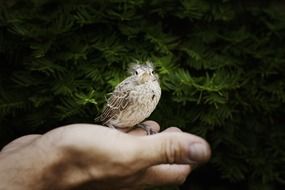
(153, 72)
(136, 72)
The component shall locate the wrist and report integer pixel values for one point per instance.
(39, 165)
(25, 167)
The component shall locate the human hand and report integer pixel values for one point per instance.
(85, 156)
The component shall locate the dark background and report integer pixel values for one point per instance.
(221, 65)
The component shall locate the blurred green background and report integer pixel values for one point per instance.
(221, 65)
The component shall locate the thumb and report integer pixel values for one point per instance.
(172, 148)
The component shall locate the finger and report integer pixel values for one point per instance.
(175, 129)
(171, 148)
(141, 132)
(154, 126)
(165, 174)
(172, 129)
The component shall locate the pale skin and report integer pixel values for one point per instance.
(87, 156)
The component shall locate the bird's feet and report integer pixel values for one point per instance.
(148, 130)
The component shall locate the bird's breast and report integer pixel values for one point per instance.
(147, 94)
(143, 100)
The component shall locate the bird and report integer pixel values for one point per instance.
(133, 100)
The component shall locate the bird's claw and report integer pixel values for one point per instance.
(148, 130)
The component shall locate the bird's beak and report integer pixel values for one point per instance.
(145, 77)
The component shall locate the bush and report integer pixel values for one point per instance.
(221, 65)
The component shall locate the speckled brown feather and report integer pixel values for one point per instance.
(133, 99)
(116, 103)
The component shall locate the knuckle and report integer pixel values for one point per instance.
(171, 150)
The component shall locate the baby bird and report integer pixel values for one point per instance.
(133, 100)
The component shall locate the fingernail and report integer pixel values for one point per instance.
(198, 152)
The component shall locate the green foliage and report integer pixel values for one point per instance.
(221, 65)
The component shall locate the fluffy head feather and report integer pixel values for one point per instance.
(140, 66)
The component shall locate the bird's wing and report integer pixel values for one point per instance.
(117, 102)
